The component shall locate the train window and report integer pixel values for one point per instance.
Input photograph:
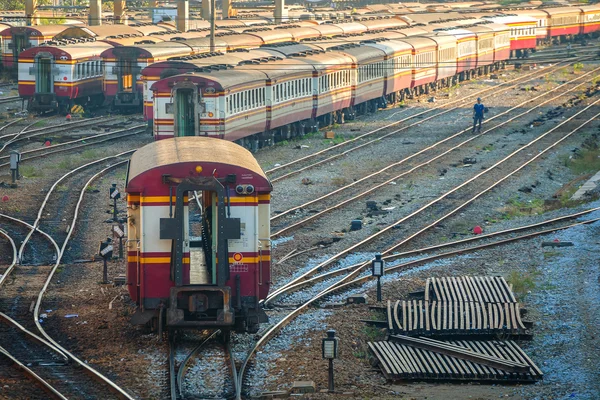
(169, 108)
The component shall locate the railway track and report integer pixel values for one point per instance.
(353, 278)
(418, 160)
(9, 99)
(297, 166)
(76, 144)
(202, 368)
(65, 377)
(26, 133)
(440, 208)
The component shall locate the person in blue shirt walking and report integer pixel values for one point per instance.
(477, 114)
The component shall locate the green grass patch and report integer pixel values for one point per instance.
(88, 154)
(41, 124)
(522, 283)
(29, 171)
(518, 208)
(588, 161)
(488, 148)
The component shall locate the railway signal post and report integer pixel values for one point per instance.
(106, 252)
(114, 195)
(118, 232)
(378, 269)
(15, 159)
(329, 347)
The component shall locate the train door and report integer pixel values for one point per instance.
(200, 227)
(126, 75)
(187, 109)
(20, 42)
(44, 82)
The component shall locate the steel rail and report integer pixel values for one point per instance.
(57, 148)
(354, 273)
(49, 193)
(44, 131)
(35, 377)
(118, 390)
(425, 163)
(340, 285)
(17, 135)
(390, 257)
(9, 99)
(7, 319)
(8, 270)
(3, 127)
(19, 221)
(172, 375)
(370, 238)
(463, 100)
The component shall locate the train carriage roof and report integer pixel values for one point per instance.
(553, 11)
(153, 50)
(329, 29)
(223, 80)
(349, 28)
(39, 30)
(98, 32)
(391, 47)
(302, 33)
(68, 51)
(271, 35)
(382, 23)
(420, 43)
(590, 9)
(362, 54)
(292, 49)
(383, 35)
(458, 33)
(170, 156)
(229, 23)
(443, 38)
(147, 29)
(240, 41)
(529, 13)
(414, 31)
(286, 68)
(512, 19)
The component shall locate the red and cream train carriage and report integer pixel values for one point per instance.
(55, 76)
(15, 39)
(201, 263)
(522, 32)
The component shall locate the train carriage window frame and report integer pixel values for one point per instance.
(169, 108)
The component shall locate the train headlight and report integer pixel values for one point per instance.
(249, 189)
(239, 189)
(210, 114)
(198, 168)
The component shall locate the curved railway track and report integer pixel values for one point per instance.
(64, 378)
(353, 278)
(208, 380)
(296, 167)
(417, 162)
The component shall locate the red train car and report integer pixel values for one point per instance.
(203, 263)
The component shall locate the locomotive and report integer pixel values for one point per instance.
(198, 235)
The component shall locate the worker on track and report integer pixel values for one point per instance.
(478, 110)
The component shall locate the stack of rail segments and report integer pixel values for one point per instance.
(405, 358)
(459, 307)
(427, 334)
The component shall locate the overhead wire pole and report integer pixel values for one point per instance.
(213, 13)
